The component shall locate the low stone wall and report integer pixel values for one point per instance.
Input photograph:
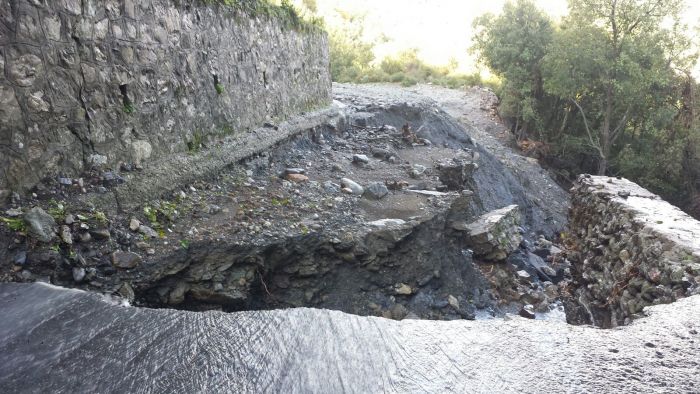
(633, 250)
(95, 83)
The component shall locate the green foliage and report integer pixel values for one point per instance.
(185, 244)
(100, 217)
(152, 215)
(219, 89)
(282, 10)
(129, 108)
(607, 91)
(350, 54)
(513, 45)
(57, 210)
(196, 143)
(15, 224)
(279, 202)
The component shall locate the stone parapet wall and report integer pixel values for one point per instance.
(95, 83)
(633, 250)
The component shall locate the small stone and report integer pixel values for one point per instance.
(296, 178)
(398, 312)
(417, 171)
(337, 167)
(65, 181)
(150, 251)
(69, 219)
(376, 191)
(527, 311)
(127, 292)
(41, 224)
(85, 237)
(110, 178)
(453, 301)
(134, 225)
(21, 258)
(524, 276)
(381, 153)
(125, 260)
(624, 255)
(148, 232)
(294, 170)
(331, 187)
(142, 245)
(403, 289)
(102, 233)
(14, 212)
(353, 186)
(66, 235)
(78, 274)
(360, 159)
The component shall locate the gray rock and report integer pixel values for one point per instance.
(20, 258)
(66, 235)
(376, 191)
(398, 312)
(147, 231)
(362, 159)
(102, 233)
(453, 301)
(494, 235)
(527, 311)
(294, 171)
(331, 187)
(41, 225)
(134, 224)
(417, 171)
(455, 173)
(125, 260)
(78, 274)
(381, 153)
(353, 186)
(14, 212)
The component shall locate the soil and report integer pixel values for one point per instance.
(278, 229)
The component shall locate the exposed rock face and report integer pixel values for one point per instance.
(496, 234)
(94, 83)
(635, 249)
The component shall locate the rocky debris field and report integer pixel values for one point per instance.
(390, 210)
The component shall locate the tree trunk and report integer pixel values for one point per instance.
(605, 141)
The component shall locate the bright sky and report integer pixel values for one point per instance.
(440, 29)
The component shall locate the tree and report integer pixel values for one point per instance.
(512, 45)
(350, 54)
(611, 60)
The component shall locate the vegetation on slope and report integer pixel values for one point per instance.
(607, 91)
(283, 10)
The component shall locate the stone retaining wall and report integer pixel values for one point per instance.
(95, 83)
(633, 250)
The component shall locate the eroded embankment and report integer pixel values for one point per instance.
(631, 250)
(374, 210)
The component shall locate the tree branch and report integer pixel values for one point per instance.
(588, 130)
(618, 130)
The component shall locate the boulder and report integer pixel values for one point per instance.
(41, 225)
(353, 186)
(125, 260)
(376, 191)
(496, 234)
(455, 173)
